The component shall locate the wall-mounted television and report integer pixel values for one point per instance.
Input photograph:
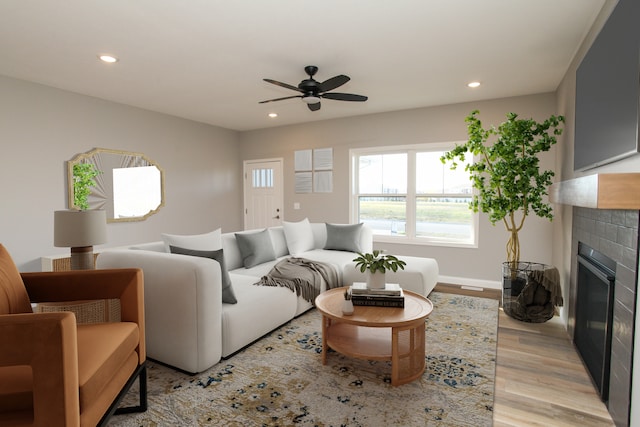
(608, 91)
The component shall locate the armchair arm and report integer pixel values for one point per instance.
(126, 284)
(48, 343)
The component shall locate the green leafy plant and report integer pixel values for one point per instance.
(377, 262)
(83, 180)
(507, 173)
(347, 294)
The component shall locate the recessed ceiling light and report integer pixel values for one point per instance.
(473, 84)
(108, 58)
(273, 115)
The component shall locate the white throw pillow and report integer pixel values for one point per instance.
(299, 236)
(198, 242)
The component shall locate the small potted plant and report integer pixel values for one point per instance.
(347, 304)
(376, 264)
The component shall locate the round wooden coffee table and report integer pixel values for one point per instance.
(377, 333)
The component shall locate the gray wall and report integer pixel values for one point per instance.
(426, 125)
(42, 127)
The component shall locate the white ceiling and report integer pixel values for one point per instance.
(205, 59)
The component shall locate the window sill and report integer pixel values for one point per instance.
(422, 242)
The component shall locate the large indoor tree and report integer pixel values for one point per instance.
(506, 171)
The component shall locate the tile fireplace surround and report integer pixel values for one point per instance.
(606, 216)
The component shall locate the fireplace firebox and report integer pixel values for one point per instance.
(594, 314)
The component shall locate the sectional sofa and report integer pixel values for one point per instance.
(202, 302)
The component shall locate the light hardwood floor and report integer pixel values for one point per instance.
(540, 379)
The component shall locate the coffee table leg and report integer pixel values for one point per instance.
(412, 345)
(395, 362)
(414, 357)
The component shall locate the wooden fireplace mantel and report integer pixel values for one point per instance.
(599, 191)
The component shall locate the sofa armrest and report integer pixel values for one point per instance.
(183, 298)
(125, 284)
(47, 342)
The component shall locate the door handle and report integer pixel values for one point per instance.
(276, 217)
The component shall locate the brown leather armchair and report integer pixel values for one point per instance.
(54, 372)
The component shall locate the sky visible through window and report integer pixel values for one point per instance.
(387, 174)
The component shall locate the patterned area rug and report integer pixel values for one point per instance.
(280, 380)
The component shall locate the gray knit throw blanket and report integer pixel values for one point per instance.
(302, 276)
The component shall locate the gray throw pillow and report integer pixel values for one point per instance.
(343, 237)
(228, 296)
(255, 248)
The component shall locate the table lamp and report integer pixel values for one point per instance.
(80, 230)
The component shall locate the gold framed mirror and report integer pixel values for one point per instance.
(129, 186)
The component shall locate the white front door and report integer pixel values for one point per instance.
(263, 193)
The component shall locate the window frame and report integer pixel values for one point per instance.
(411, 195)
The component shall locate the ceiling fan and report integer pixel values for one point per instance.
(312, 91)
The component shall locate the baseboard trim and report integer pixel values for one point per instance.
(474, 283)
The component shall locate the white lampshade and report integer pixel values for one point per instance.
(79, 228)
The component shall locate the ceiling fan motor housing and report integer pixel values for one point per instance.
(309, 85)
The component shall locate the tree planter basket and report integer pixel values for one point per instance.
(523, 298)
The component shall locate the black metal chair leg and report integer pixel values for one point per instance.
(140, 374)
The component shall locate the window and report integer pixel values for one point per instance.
(408, 195)
(262, 178)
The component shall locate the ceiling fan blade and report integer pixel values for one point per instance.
(333, 83)
(285, 85)
(314, 107)
(344, 97)
(280, 99)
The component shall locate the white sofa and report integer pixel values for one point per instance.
(187, 324)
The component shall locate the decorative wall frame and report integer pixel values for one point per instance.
(314, 170)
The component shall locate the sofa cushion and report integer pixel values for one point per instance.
(200, 242)
(153, 246)
(260, 309)
(344, 237)
(228, 295)
(255, 248)
(299, 236)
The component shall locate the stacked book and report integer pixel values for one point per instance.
(390, 296)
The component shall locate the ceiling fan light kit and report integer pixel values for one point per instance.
(313, 91)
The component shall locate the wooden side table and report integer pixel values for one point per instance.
(377, 333)
(59, 262)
